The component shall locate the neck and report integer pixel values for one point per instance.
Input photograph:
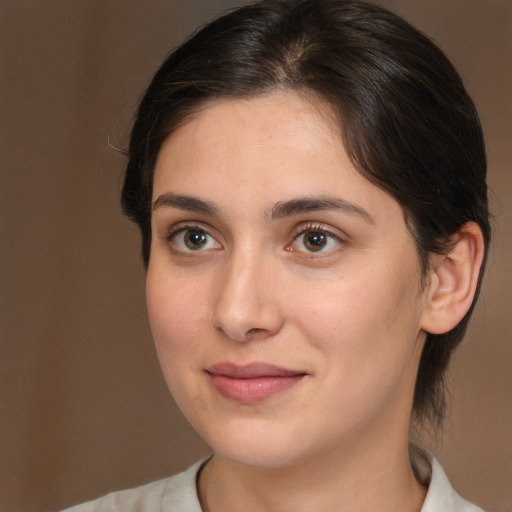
(341, 480)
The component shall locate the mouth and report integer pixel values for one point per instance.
(252, 383)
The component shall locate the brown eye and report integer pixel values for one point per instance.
(315, 240)
(193, 239)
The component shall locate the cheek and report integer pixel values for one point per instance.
(368, 354)
(175, 315)
(176, 320)
(367, 324)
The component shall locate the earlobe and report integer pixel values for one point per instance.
(453, 280)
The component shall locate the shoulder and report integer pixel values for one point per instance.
(174, 493)
(441, 496)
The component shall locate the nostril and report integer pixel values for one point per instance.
(257, 333)
(254, 330)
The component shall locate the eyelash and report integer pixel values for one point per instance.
(182, 229)
(314, 228)
(295, 234)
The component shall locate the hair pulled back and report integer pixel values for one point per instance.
(406, 121)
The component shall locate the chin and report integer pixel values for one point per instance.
(257, 456)
(258, 445)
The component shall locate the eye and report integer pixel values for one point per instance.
(193, 239)
(315, 240)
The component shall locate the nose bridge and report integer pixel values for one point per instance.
(246, 303)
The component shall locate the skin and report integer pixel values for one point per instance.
(350, 316)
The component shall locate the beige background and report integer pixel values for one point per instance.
(83, 407)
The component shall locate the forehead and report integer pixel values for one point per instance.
(263, 150)
(285, 124)
(298, 118)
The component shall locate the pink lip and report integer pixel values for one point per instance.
(251, 383)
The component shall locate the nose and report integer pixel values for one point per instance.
(247, 306)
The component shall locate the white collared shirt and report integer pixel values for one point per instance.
(179, 494)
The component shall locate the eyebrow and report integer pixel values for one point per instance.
(278, 211)
(187, 203)
(314, 204)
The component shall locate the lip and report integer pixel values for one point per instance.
(252, 383)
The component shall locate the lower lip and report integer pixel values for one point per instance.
(253, 390)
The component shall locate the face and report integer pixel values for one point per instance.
(283, 288)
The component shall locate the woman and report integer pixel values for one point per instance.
(309, 180)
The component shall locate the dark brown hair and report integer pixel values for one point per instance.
(406, 121)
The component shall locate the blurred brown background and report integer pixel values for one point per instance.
(83, 407)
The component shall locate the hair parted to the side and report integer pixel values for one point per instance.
(406, 121)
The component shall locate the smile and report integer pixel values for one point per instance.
(251, 383)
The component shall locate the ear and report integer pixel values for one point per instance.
(453, 279)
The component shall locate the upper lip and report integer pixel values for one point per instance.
(251, 370)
